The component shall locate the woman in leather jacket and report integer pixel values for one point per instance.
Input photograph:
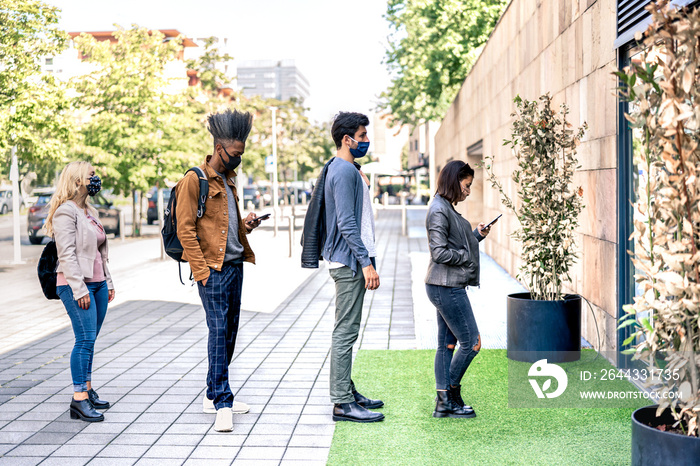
(454, 265)
(83, 281)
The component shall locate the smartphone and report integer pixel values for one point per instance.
(492, 222)
(262, 217)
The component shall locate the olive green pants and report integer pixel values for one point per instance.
(349, 296)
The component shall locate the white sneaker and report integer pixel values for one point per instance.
(209, 408)
(224, 420)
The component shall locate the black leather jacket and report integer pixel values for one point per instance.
(454, 247)
(313, 236)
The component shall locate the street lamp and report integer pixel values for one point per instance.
(275, 182)
(14, 178)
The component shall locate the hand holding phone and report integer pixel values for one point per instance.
(262, 217)
(488, 225)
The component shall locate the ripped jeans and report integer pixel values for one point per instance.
(456, 323)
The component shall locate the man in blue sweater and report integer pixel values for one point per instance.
(349, 252)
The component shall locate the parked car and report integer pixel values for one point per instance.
(152, 212)
(109, 216)
(251, 194)
(6, 201)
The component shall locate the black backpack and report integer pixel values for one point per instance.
(46, 269)
(171, 243)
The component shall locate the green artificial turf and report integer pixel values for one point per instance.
(405, 381)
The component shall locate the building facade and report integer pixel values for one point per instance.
(570, 49)
(273, 79)
(70, 63)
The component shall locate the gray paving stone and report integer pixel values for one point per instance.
(63, 461)
(224, 440)
(158, 461)
(267, 440)
(21, 461)
(105, 427)
(113, 461)
(286, 462)
(250, 462)
(25, 426)
(91, 439)
(123, 451)
(32, 450)
(178, 428)
(179, 439)
(158, 417)
(147, 428)
(323, 441)
(135, 439)
(63, 425)
(14, 438)
(215, 452)
(79, 450)
(305, 454)
(260, 453)
(170, 451)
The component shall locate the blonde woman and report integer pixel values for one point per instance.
(83, 281)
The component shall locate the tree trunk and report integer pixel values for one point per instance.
(136, 213)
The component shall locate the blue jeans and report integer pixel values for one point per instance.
(455, 323)
(86, 326)
(221, 299)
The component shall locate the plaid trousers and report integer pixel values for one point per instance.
(221, 298)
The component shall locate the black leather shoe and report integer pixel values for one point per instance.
(95, 400)
(355, 413)
(365, 402)
(445, 407)
(456, 394)
(84, 410)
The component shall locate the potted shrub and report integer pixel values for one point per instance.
(546, 322)
(664, 89)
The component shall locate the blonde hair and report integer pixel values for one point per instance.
(72, 178)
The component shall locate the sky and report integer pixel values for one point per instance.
(338, 45)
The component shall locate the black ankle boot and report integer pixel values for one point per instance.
(84, 410)
(355, 413)
(456, 394)
(445, 407)
(365, 402)
(95, 400)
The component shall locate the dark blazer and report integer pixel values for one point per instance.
(454, 247)
(313, 236)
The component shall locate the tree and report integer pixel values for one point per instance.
(301, 145)
(40, 126)
(206, 65)
(137, 126)
(433, 47)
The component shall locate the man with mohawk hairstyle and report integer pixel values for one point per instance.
(215, 245)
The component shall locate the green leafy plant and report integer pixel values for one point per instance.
(664, 89)
(544, 145)
(431, 50)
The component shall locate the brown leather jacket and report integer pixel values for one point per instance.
(204, 239)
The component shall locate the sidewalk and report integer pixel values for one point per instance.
(151, 361)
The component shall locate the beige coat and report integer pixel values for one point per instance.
(76, 242)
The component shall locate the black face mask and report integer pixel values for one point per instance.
(232, 163)
(94, 186)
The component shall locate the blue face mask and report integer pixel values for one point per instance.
(361, 150)
(94, 186)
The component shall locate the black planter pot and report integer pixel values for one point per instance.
(544, 329)
(651, 446)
